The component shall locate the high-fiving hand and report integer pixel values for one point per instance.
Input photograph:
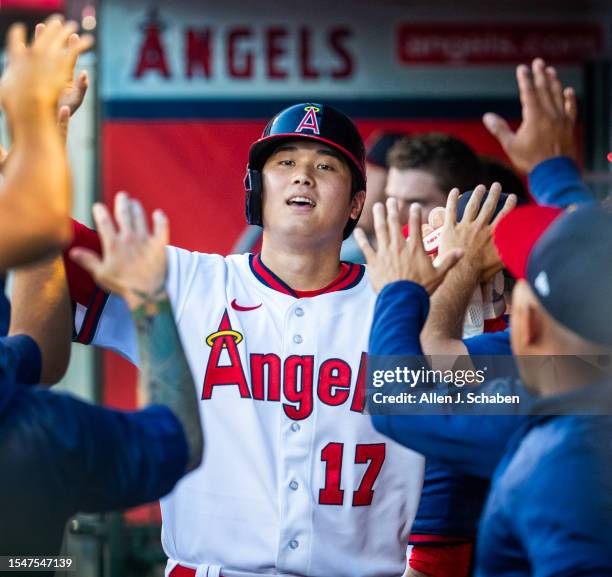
(549, 117)
(473, 234)
(397, 258)
(40, 73)
(75, 88)
(133, 262)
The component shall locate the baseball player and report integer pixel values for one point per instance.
(294, 480)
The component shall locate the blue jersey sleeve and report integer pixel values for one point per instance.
(450, 506)
(399, 315)
(21, 359)
(557, 182)
(489, 344)
(563, 515)
(493, 351)
(470, 444)
(96, 458)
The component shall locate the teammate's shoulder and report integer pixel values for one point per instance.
(182, 255)
(204, 256)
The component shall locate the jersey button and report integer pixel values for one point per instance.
(294, 544)
(294, 485)
(299, 312)
(295, 427)
(297, 339)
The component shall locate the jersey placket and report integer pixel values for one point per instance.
(295, 499)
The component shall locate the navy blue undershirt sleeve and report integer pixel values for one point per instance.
(451, 503)
(471, 444)
(97, 458)
(131, 458)
(489, 344)
(399, 315)
(21, 357)
(557, 182)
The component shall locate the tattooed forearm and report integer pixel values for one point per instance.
(165, 377)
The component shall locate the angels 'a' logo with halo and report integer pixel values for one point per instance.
(309, 121)
(224, 336)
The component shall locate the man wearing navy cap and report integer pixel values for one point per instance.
(550, 508)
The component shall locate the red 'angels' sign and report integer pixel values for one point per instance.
(487, 43)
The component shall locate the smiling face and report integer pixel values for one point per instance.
(307, 194)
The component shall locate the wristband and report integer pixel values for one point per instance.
(441, 560)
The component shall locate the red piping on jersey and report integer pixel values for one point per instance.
(181, 571)
(81, 285)
(92, 317)
(350, 275)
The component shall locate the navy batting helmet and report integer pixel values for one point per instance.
(313, 122)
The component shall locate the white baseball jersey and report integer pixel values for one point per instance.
(294, 479)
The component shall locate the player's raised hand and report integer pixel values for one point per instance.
(75, 88)
(473, 234)
(397, 258)
(133, 262)
(548, 118)
(36, 74)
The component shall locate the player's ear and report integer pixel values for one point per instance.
(357, 202)
(527, 320)
(535, 323)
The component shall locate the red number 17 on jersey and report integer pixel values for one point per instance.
(331, 455)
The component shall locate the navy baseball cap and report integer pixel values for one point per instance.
(378, 146)
(566, 257)
(463, 200)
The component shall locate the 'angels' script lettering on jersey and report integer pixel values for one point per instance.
(295, 375)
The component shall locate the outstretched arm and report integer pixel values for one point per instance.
(443, 331)
(40, 308)
(399, 316)
(544, 146)
(134, 266)
(35, 199)
(40, 301)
